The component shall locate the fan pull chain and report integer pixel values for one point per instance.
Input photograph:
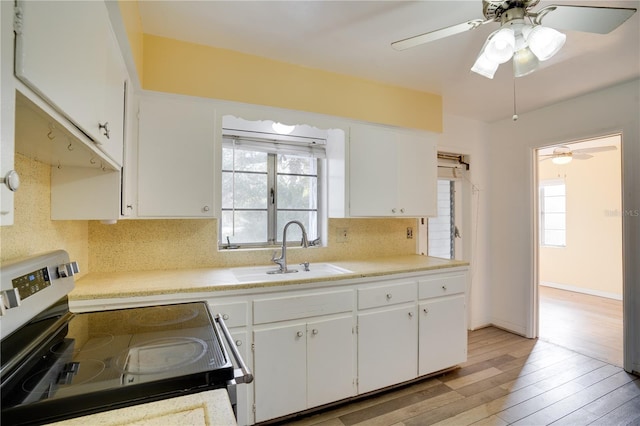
(515, 113)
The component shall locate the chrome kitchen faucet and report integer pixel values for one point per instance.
(282, 260)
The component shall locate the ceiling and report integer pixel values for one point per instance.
(353, 38)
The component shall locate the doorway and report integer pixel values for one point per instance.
(579, 250)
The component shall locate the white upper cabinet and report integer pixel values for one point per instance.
(392, 172)
(67, 53)
(176, 155)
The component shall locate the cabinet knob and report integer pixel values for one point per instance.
(299, 334)
(410, 314)
(238, 342)
(314, 331)
(12, 180)
(425, 310)
(393, 210)
(444, 287)
(105, 129)
(389, 296)
(401, 210)
(205, 208)
(225, 316)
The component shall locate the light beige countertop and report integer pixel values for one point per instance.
(210, 408)
(105, 285)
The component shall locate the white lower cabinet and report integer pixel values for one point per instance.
(302, 365)
(387, 347)
(443, 326)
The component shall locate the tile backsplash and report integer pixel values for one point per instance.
(132, 245)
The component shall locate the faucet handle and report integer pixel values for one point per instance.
(306, 266)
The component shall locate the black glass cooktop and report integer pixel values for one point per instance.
(111, 359)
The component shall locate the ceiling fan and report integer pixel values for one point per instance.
(563, 154)
(522, 36)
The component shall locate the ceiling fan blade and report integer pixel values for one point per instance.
(591, 19)
(438, 34)
(595, 149)
(581, 156)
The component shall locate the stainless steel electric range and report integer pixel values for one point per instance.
(58, 365)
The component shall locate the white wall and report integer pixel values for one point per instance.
(511, 216)
(469, 137)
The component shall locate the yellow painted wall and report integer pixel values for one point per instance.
(133, 26)
(191, 69)
(592, 258)
(168, 65)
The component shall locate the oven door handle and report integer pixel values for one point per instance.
(245, 374)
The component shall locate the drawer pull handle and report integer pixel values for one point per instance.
(225, 316)
(444, 287)
(299, 334)
(389, 296)
(314, 331)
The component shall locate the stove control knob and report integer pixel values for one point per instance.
(11, 298)
(68, 269)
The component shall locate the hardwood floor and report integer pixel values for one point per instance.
(588, 324)
(507, 379)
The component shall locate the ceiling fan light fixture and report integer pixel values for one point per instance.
(562, 159)
(524, 62)
(545, 42)
(500, 45)
(484, 66)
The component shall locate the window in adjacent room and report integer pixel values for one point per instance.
(267, 183)
(553, 213)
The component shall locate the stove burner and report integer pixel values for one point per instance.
(164, 315)
(161, 355)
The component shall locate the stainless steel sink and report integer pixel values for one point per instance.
(260, 273)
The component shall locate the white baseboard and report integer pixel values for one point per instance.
(583, 290)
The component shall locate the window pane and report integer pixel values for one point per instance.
(250, 189)
(554, 190)
(297, 192)
(554, 221)
(297, 165)
(554, 204)
(308, 219)
(250, 227)
(244, 160)
(554, 238)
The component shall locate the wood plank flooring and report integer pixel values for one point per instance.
(507, 379)
(588, 324)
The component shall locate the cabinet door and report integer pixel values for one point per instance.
(443, 333)
(392, 172)
(175, 157)
(387, 348)
(280, 371)
(372, 172)
(417, 175)
(330, 361)
(65, 52)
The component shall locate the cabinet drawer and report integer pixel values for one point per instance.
(390, 294)
(442, 285)
(301, 306)
(233, 314)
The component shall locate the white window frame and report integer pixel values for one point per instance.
(274, 148)
(544, 200)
